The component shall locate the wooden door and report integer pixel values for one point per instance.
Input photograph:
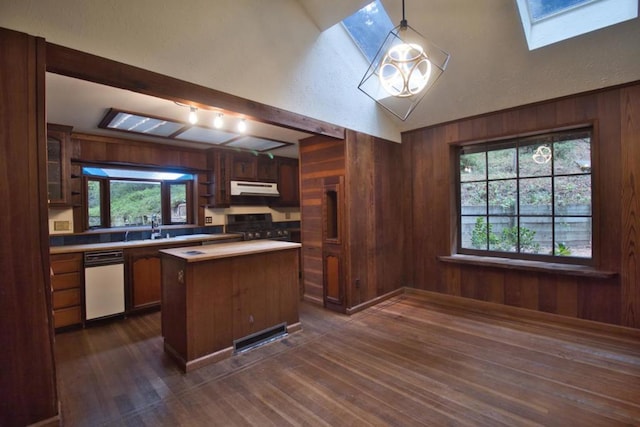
(145, 277)
(146, 281)
(332, 244)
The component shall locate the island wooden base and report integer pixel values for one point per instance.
(188, 366)
(208, 303)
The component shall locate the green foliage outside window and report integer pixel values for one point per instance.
(506, 241)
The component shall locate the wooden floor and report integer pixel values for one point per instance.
(412, 360)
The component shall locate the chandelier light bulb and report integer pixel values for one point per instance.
(193, 115)
(218, 121)
(242, 126)
(405, 70)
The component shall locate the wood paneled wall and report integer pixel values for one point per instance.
(429, 155)
(374, 183)
(320, 157)
(27, 382)
(372, 238)
(93, 148)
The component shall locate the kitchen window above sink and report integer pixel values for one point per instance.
(137, 198)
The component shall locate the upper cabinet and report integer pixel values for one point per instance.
(219, 164)
(226, 165)
(58, 165)
(249, 167)
(267, 169)
(244, 167)
(288, 182)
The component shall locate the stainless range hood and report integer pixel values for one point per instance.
(249, 188)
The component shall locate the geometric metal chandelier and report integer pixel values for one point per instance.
(403, 70)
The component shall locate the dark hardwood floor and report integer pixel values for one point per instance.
(416, 359)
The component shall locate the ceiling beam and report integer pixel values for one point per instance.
(85, 66)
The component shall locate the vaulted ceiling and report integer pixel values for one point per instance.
(290, 54)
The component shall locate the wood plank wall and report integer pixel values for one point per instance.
(430, 218)
(372, 241)
(374, 182)
(27, 381)
(320, 157)
(94, 148)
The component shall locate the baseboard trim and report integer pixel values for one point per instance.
(524, 313)
(375, 301)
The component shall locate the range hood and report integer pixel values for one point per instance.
(249, 188)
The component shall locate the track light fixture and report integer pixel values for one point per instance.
(193, 115)
(218, 121)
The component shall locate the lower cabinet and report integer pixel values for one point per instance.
(66, 286)
(144, 278)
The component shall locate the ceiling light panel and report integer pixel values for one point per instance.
(253, 143)
(146, 125)
(201, 134)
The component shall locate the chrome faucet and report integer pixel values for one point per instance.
(126, 236)
(155, 229)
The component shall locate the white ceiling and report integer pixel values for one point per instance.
(288, 54)
(84, 104)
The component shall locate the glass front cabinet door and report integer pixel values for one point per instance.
(58, 165)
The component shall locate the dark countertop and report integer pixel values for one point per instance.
(186, 239)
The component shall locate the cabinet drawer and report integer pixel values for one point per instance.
(66, 298)
(66, 263)
(66, 281)
(67, 316)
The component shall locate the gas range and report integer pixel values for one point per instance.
(255, 227)
(273, 234)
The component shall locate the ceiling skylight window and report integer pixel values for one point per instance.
(368, 28)
(549, 21)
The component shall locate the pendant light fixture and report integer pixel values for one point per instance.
(403, 70)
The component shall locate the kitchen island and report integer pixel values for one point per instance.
(220, 299)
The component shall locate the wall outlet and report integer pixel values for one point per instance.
(208, 220)
(61, 225)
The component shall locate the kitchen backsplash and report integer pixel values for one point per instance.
(119, 236)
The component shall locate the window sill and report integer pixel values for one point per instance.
(525, 265)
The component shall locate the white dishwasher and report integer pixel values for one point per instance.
(103, 284)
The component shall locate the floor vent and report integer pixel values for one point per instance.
(260, 338)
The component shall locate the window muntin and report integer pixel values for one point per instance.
(527, 198)
(129, 198)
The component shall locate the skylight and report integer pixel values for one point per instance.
(549, 21)
(369, 27)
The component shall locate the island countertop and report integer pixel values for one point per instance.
(226, 250)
